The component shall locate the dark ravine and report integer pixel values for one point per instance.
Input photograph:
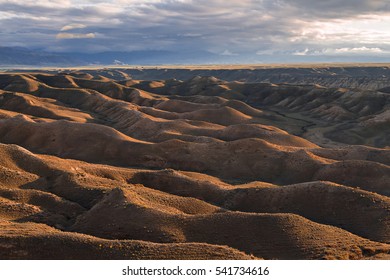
(304, 128)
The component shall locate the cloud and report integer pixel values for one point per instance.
(64, 35)
(356, 50)
(299, 28)
(337, 8)
(73, 26)
(228, 53)
(346, 51)
(304, 52)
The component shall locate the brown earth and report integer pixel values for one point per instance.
(94, 167)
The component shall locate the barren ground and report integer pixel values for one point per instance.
(100, 164)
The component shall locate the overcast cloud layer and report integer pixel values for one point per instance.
(304, 29)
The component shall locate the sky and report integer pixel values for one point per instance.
(299, 30)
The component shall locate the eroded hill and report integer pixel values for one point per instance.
(100, 167)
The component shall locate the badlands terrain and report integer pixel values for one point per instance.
(276, 163)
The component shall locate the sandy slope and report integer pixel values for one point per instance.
(203, 169)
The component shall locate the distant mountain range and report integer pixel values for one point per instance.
(11, 57)
(22, 56)
(16, 56)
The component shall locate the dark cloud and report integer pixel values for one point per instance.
(339, 8)
(265, 27)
